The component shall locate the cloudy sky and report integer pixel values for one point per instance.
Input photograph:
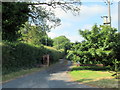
(90, 14)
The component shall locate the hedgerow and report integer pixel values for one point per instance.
(17, 56)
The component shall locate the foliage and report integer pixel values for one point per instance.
(54, 54)
(40, 16)
(47, 41)
(13, 16)
(62, 42)
(17, 56)
(34, 35)
(31, 34)
(101, 45)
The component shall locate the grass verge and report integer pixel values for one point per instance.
(18, 74)
(21, 73)
(94, 76)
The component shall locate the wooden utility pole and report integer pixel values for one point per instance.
(109, 11)
(107, 19)
(118, 16)
(108, 2)
(57, 44)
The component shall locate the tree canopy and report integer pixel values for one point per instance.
(101, 45)
(34, 35)
(15, 14)
(60, 42)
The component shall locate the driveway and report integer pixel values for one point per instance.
(53, 77)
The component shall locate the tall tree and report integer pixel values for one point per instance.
(100, 46)
(15, 14)
(32, 34)
(61, 42)
(47, 41)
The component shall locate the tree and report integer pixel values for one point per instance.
(47, 41)
(100, 46)
(15, 14)
(32, 34)
(61, 42)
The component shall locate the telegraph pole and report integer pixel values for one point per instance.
(109, 11)
(57, 45)
(108, 18)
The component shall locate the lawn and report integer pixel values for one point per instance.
(94, 76)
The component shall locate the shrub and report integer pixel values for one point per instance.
(16, 56)
(54, 54)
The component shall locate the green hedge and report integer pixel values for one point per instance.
(54, 54)
(17, 56)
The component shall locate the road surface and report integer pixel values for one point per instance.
(53, 77)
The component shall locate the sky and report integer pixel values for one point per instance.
(90, 14)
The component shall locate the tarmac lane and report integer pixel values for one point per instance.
(53, 77)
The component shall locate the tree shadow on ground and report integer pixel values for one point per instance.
(67, 84)
(81, 80)
(44, 79)
(58, 68)
(102, 83)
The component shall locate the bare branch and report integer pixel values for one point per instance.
(54, 3)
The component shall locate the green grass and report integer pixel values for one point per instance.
(94, 76)
(21, 73)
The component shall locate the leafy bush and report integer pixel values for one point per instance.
(16, 56)
(54, 54)
(101, 45)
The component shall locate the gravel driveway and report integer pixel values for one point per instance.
(53, 77)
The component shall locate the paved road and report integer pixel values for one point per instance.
(54, 77)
